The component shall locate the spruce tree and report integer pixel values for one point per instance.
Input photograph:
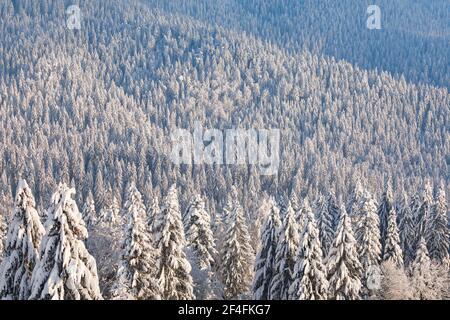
(173, 266)
(407, 231)
(438, 234)
(386, 205)
(423, 214)
(265, 261)
(343, 267)
(285, 258)
(310, 276)
(88, 213)
(66, 270)
(136, 277)
(368, 238)
(392, 250)
(22, 246)
(325, 223)
(237, 256)
(202, 248)
(421, 277)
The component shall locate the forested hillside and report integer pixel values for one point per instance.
(363, 116)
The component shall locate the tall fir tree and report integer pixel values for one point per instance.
(137, 273)
(265, 260)
(385, 206)
(237, 256)
(438, 235)
(285, 258)
(368, 238)
(24, 237)
(343, 267)
(88, 213)
(66, 270)
(310, 276)
(173, 266)
(392, 250)
(325, 222)
(407, 231)
(421, 273)
(202, 249)
(423, 214)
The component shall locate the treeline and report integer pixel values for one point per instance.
(365, 249)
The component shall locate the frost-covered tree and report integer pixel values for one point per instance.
(407, 230)
(368, 238)
(66, 270)
(285, 257)
(89, 214)
(325, 221)
(392, 250)
(202, 249)
(173, 266)
(136, 277)
(237, 256)
(385, 207)
(333, 209)
(422, 279)
(394, 283)
(310, 275)
(265, 260)
(424, 212)
(152, 214)
(354, 203)
(343, 267)
(438, 235)
(22, 246)
(3, 232)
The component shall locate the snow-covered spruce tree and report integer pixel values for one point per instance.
(265, 260)
(3, 232)
(333, 209)
(407, 231)
(354, 202)
(89, 214)
(421, 275)
(325, 224)
(423, 214)
(343, 267)
(310, 276)
(392, 250)
(66, 270)
(136, 276)
(285, 258)
(152, 214)
(368, 238)
(201, 249)
(385, 206)
(237, 257)
(22, 247)
(173, 267)
(438, 234)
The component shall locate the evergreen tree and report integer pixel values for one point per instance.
(152, 214)
(333, 209)
(22, 246)
(438, 234)
(421, 281)
(202, 247)
(310, 277)
(344, 268)
(325, 223)
(89, 214)
(237, 256)
(66, 270)
(3, 232)
(173, 267)
(423, 214)
(386, 205)
(407, 231)
(368, 238)
(392, 250)
(285, 257)
(137, 272)
(265, 261)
